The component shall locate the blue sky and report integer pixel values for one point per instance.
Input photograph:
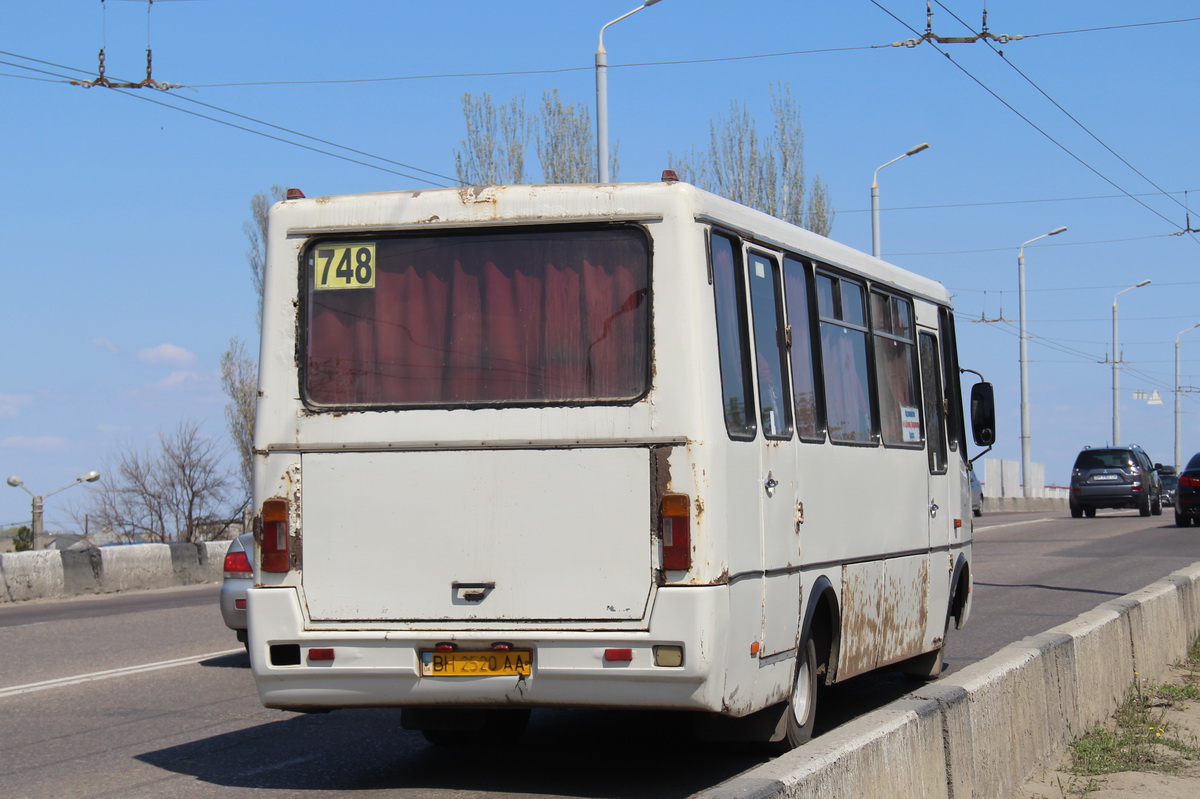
(126, 273)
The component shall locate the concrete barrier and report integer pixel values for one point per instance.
(982, 731)
(51, 573)
(1024, 504)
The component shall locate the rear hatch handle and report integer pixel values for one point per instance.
(471, 592)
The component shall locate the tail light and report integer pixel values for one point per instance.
(1187, 481)
(275, 535)
(676, 531)
(237, 565)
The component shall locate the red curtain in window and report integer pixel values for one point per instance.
(486, 320)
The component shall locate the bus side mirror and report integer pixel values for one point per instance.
(983, 414)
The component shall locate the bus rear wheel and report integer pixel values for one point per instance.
(802, 704)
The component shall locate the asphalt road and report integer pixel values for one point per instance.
(148, 695)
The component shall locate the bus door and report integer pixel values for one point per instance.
(945, 493)
(778, 489)
(758, 464)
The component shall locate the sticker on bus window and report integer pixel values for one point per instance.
(344, 266)
(911, 418)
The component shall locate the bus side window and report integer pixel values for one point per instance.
(955, 432)
(733, 340)
(844, 360)
(896, 370)
(809, 412)
(769, 346)
(935, 416)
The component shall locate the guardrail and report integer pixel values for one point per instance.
(982, 731)
(52, 573)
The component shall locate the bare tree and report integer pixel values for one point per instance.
(566, 145)
(256, 231)
(764, 172)
(239, 379)
(177, 492)
(495, 147)
(494, 151)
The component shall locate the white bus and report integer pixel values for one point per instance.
(608, 446)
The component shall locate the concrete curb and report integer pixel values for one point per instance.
(52, 574)
(982, 731)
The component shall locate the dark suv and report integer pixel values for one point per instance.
(1187, 494)
(1115, 477)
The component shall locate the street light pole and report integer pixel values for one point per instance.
(39, 499)
(1116, 368)
(1178, 453)
(1026, 458)
(875, 196)
(602, 96)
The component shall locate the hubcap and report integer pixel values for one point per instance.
(800, 694)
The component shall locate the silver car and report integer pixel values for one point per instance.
(239, 576)
(976, 494)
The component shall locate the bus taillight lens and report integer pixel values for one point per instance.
(275, 536)
(676, 532)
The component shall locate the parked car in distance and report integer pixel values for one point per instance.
(1115, 477)
(976, 493)
(1187, 494)
(239, 576)
(1169, 480)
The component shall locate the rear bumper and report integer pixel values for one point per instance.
(1187, 507)
(232, 590)
(1106, 497)
(376, 668)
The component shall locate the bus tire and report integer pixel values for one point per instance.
(802, 704)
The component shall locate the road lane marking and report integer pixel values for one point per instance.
(109, 674)
(1014, 524)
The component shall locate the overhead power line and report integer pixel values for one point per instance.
(246, 118)
(1030, 122)
(640, 64)
(1071, 116)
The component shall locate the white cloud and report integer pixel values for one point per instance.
(105, 343)
(9, 403)
(176, 379)
(166, 353)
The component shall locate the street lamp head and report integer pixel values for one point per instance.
(1056, 231)
(90, 477)
(1143, 283)
(918, 148)
(649, 3)
(15, 482)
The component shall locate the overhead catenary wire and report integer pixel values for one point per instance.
(1072, 117)
(181, 98)
(1030, 122)
(643, 64)
(58, 78)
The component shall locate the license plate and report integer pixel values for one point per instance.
(1099, 477)
(476, 664)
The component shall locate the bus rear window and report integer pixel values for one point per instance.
(525, 318)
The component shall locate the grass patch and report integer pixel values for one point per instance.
(1140, 739)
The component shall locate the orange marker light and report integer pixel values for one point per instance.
(676, 532)
(275, 536)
